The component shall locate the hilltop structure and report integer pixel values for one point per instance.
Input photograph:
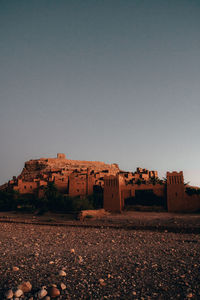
(71, 177)
(119, 188)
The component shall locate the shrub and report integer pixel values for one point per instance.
(191, 191)
(8, 200)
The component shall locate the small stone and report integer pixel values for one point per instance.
(102, 282)
(18, 293)
(9, 294)
(62, 273)
(190, 295)
(134, 293)
(42, 293)
(72, 251)
(62, 286)
(80, 259)
(15, 269)
(53, 292)
(51, 262)
(25, 287)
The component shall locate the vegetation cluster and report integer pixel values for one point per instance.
(51, 201)
(192, 191)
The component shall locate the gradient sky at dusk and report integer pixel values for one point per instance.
(108, 80)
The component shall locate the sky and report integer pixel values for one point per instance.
(104, 80)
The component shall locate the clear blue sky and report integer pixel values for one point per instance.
(108, 80)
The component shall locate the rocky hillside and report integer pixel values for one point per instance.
(36, 168)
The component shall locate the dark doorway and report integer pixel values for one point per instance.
(145, 198)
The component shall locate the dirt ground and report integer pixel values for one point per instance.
(100, 263)
(159, 221)
(103, 258)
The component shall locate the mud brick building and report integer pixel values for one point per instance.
(173, 193)
(71, 177)
(120, 188)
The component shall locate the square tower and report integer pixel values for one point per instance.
(175, 191)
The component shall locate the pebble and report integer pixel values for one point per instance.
(53, 292)
(26, 287)
(80, 259)
(72, 251)
(9, 294)
(42, 293)
(63, 286)
(62, 273)
(134, 293)
(102, 282)
(18, 293)
(15, 269)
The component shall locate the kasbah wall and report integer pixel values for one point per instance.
(116, 191)
(78, 178)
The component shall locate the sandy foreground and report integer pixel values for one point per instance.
(99, 263)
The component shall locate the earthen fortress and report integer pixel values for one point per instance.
(71, 177)
(81, 178)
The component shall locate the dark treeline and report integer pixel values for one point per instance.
(51, 201)
(192, 191)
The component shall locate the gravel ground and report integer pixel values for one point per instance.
(100, 263)
(159, 221)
